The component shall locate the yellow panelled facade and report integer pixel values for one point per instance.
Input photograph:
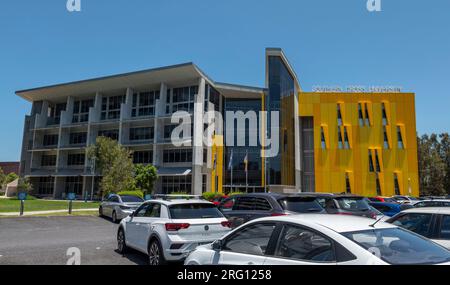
(217, 171)
(337, 166)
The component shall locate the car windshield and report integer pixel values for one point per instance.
(353, 204)
(194, 211)
(400, 247)
(300, 205)
(131, 199)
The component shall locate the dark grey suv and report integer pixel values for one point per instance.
(240, 209)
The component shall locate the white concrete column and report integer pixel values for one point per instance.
(94, 117)
(297, 134)
(125, 114)
(197, 139)
(41, 118)
(160, 111)
(66, 115)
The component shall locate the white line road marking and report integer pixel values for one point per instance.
(97, 248)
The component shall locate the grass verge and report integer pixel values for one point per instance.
(9, 205)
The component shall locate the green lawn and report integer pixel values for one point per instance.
(8, 205)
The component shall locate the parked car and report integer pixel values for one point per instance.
(167, 230)
(319, 240)
(405, 199)
(216, 201)
(346, 204)
(390, 209)
(382, 199)
(240, 209)
(119, 207)
(432, 203)
(433, 223)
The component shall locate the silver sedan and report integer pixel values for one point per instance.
(119, 207)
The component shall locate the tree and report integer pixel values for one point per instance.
(445, 155)
(24, 185)
(114, 163)
(2, 177)
(145, 177)
(10, 178)
(432, 169)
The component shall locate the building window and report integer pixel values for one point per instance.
(367, 118)
(340, 139)
(143, 157)
(400, 138)
(48, 160)
(322, 138)
(396, 185)
(360, 115)
(377, 161)
(171, 184)
(385, 138)
(111, 107)
(177, 155)
(346, 140)
(384, 116)
(371, 167)
(348, 187)
(183, 98)
(78, 138)
(144, 104)
(378, 185)
(54, 113)
(50, 140)
(45, 185)
(112, 134)
(168, 129)
(81, 111)
(141, 134)
(77, 159)
(74, 185)
(339, 115)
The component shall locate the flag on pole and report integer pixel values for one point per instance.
(246, 162)
(230, 163)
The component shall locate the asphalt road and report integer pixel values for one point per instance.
(46, 240)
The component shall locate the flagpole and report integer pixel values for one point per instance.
(246, 172)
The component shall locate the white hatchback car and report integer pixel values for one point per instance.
(319, 240)
(168, 230)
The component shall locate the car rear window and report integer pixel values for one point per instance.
(131, 199)
(353, 204)
(194, 211)
(400, 247)
(300, 205)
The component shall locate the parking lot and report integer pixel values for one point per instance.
(45, 240)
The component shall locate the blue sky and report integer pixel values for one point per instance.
(328, 42)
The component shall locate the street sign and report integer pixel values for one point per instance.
(148, 197)
(71, 196)
(22, 196)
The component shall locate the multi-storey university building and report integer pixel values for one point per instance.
(363, 143)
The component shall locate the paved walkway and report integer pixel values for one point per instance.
(46, 212)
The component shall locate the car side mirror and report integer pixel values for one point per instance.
(217, 245)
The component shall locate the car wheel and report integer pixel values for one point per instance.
(121, 244)
(155, 254)
(100, 211)
(114, 218)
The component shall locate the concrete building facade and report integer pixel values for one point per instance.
(136, 110)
